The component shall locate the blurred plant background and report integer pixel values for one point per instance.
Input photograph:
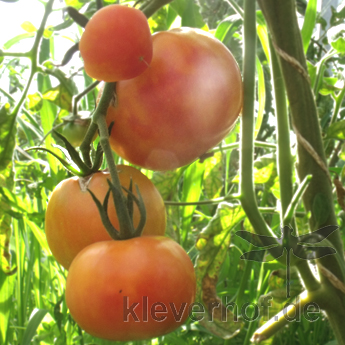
(37, 93)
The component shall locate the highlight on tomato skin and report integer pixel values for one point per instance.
(116, 44)
(73, 221)
(131, 290)
(182, 106)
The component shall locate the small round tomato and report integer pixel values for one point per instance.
(131, 290)
(116, 44)
(73, 221)
(180, 107)
(74, 131)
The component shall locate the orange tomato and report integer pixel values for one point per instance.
(73, 221)
(131, 290)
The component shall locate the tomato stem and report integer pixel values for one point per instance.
(125, 222)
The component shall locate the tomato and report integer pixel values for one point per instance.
(130, 290)
(116, 44)
(180, 107)
(73, 221)
(74, 131)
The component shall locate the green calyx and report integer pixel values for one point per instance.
(72, 160)
(124, 210)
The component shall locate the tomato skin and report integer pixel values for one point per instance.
(73, 221)
(116, 44)
(180, 107)
(106, 278)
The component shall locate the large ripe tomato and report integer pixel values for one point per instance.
(73, 221)
(180, 107)
(131, 290)
(116, 44)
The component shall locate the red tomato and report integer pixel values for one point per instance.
(116, 44)
(130, 290)
(180, 107)
(73, 221)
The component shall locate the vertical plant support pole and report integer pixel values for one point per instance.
(281, 19)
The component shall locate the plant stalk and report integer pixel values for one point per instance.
(247, 194)
(282, 22)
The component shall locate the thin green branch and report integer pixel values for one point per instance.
(33, 57)
(260, 144)
(290, 210)
(338, 102)
(247, 198)
(151, 7)
(236, 7)
(15, 54)
(284, 157)
(78, 97)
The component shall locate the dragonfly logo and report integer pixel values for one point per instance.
(305, 247)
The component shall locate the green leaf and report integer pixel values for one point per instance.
(28, 27)
(312, 70)
(36, 318)
(309, 24)
(60, 96)
(40, 236)
(34, 102)
(336, 38)
(7, 137)
(7, 283)
(261, 175)
(166, 182)
(191, 191)
(226, 28)
(17, 39)
(76, 3)
(8, 141)
(328, 86)
(171, 16)
(48, 32)
(261, 30)
(213, 177)
(189, 13)
(336, 130)
(213, 244)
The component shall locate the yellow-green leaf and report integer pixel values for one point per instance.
(28, 27)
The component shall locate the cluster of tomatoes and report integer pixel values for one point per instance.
(178, 94)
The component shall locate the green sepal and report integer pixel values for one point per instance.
(99, 4)
(102, 209)
(98, 160)
(62, 161)
(126, 226)
(75, 156)
(69, 54)
(130, 195)
(79, 18)
(141, 206)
